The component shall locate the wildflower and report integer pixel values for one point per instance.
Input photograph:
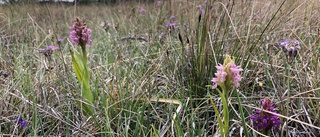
(105, 25)
(142, 10)
(159, 1)
(5, 75)
(294, 50)
(297, 43)
(201, 9)
(235, 74)
(220, 76)
(264, 121)
(49, 50)
(172, 17)
(80, 34)
(171, 25)
(284, 43)
(290, 47)
(51, 47)
(227, 74)
(22, 123)
(59, 40)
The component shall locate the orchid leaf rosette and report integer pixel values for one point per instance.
(80, 36)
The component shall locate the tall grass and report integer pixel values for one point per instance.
(156, 83)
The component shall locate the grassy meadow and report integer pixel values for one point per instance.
(150, 79)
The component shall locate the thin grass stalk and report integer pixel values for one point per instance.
(155, 132)
(243, 121)
(34, 119)
(254, 45)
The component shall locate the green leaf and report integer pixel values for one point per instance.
(83, 76)
(225, 111)
(87, 95)
(77, 66)
(218, 116)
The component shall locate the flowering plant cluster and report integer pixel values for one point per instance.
(264, 121)
(290, 47)
(80, 35)
(227, 75)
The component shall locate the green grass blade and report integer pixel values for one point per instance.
(242, 117)
(221, 125)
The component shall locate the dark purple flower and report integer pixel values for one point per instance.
(264, 121)
(5, 75)
(80, 34)
(22, 123)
